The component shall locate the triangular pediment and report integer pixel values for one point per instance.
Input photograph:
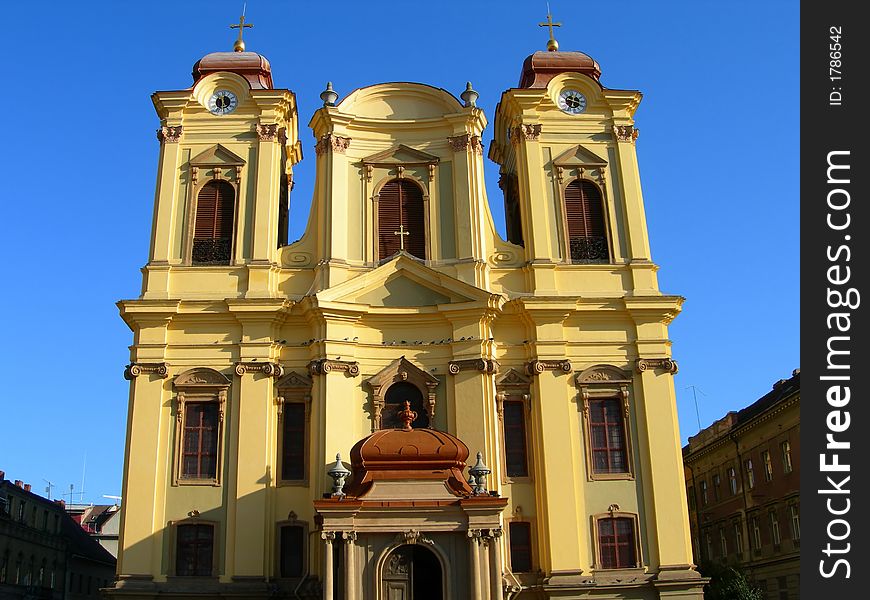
(401, 155)
(294, 381)
(405, 282)
(513, 378)
(216, 156)
(578, 156)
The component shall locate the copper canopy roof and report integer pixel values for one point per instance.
(250, 65)
(541, 67)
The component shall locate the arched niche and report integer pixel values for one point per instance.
(401, 370)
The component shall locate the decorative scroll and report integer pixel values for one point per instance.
(625, 133)
(525, 132)
(465, 142)
(133, 370)
(267, 132)
(169, 134)
(267, 368)
(336, 143)
(483, 365)
(536, 367)
(668, 364)
(325, 365)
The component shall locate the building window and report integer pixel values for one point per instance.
(750, 474)
(795, 522)
(704, 498)
(723, 543)
(716, 483)
(509, 184)
(708, 539)
(292, 551)
(293, 441)
(608, 436)
(756, 533)
(520, 546)
(45, 520)
(4, 566)
(604, 390)
(202, 394)
(768, 465)
(213, 225)
(738, 538)
(515, 438)
(732, 481)
(774, 528)
(587, 229)
(617, 541)
(401, 219)
(690, 493)
(199, 458)
(786, 457)
(194, 550)
(21, 510)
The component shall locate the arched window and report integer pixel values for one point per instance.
(587, 231)
(401, 222)
(213, 227)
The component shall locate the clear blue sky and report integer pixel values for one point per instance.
(718, 153)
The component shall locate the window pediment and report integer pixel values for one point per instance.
(201, 379)
(578, 156)
(217, 156)
(401, 155)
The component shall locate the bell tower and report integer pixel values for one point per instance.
(227, 149)
(565, 147)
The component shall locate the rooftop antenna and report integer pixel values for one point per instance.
(695, 396)
(48, 488)
(82, 492)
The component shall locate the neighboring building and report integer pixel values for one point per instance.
(100, 521)
(43, 551)
(403, 332)
(743, 483)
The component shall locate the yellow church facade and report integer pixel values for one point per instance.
(504, 409)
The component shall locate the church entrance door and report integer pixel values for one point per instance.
(412, 572)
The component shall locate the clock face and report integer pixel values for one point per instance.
(222, 102)
(572, 102)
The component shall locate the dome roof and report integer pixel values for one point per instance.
(541, 67)
(250, 65)
(391, 454)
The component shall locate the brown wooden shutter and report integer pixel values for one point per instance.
(400, 204)
(293, 441)
(520, 546)
(515, 439)
(413, 219)
(214, 211)
(389, 219)
(584, 211)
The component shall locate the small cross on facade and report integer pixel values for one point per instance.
(401, 233)
(552, 44)
(239, 46)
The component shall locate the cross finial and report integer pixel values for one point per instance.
(552, 44)
(239, 46)
(401, 233)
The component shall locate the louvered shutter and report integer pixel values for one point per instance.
(213, 229)
(413, 219)
(584, 211)
(389, 219)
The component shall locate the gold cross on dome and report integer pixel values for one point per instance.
(239, 46)
(552, 44)
(401, 233)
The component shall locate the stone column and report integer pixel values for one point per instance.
(351, 584)
(328, 584)
(495, 564)
(474, 563)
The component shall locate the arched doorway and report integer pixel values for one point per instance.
(412, 572)
(394, 401)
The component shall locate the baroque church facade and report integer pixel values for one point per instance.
(504, 409)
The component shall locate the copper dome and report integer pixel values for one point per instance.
(391, 454)
(541, 67)
(250, 65)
